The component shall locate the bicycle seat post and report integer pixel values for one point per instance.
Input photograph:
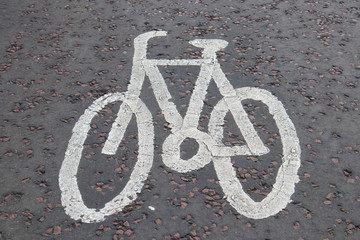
(210, 46)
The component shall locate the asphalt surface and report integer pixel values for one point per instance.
(57, 57)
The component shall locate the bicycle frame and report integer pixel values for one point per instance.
(187, 127)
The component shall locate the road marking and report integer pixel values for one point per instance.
(286, 177)
(210, 148)
(70, 194)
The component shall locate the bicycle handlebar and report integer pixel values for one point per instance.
(141, 42)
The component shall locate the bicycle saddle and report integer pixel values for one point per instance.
(213, 44)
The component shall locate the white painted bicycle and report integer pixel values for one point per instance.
(210, 143)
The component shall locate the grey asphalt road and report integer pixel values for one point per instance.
(58, 57)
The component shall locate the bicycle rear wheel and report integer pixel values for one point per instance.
(70, 194)
(286, 177)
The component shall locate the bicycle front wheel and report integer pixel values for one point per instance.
(286, 177)
(70, 194)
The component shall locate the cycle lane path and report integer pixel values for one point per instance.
(63, 56)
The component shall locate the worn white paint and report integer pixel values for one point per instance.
(210, 148)
(70, 195)
(287, 176)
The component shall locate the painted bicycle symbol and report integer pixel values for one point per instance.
(210, 143)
